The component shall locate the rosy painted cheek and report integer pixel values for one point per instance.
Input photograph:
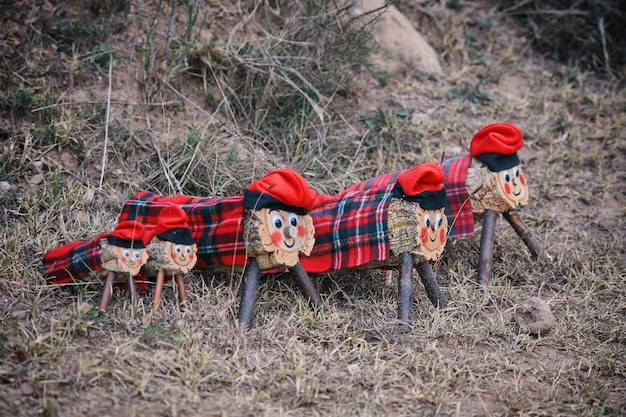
(123, 260)
(301, 231)
(442, 236)
(277, 238)
(507, 188)
(191, 256)
(522, 180)
(424, 236)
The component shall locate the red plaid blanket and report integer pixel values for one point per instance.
(458, 207)
(351, 227)
(216, 224)
(73, 260)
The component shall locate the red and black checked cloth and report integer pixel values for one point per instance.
(458, 207)
(351, 227)
(73, 260)
(216, 224)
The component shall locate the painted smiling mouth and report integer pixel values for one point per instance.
(288, 245)
(183, 261)
(433, 239)
(517, 194)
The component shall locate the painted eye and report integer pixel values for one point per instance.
(277, 221)
(293, 219)
(427, 221)
(187, 250)
(506, 176)
(126, 253)
(137, 254)
(178, 249)
(516, 172)
(439, 219)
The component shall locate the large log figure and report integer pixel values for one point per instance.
(265, 228)
(486, 182)
(119, 253)
(395, 220)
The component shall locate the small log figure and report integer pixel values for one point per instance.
(395, 220)
(172, 252)
(120, 252)
(486, 182)
(263, 229)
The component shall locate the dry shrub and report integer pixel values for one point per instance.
(279, 80)
(587, 33)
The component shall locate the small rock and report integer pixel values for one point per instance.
(35, 179)
(400, 43)
(81, 216)
(5, 187)
(26, 389)
(533, 316)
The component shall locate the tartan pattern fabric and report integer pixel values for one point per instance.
(73, 260)
(458, 207)
(216, 224)
(351, 227)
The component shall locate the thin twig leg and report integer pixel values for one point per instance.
(130, 281)
(485, 261)
(405, 288)
(182, 293)
(158, 289)
(431, 285)
(306, 285)
(248, 294)
(532, 243)
(106, 292)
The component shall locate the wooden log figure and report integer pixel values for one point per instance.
(121, 252)
(266, 228)
(487, 181)
(172, 252)
(395, 220)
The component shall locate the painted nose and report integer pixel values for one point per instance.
(290, 232)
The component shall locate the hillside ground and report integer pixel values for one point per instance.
(101, 101)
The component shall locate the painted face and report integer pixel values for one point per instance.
(433, 227)
(288, 231)
(286, 234)
(513, 186)
(181, 256)
(130, 259)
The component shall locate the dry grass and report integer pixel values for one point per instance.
(59, 358)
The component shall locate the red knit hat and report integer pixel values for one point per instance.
(282, 189)
(496, 145)
(423, 184)
(172, 226)
(128, 234)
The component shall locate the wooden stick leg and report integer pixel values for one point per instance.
(158, 289)
(106, 293)
(306, 285)
(432, 286)
(248, 294)
(485, 261)
(532, 243)
(130, 282)
(405, 288)
(182, 294)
